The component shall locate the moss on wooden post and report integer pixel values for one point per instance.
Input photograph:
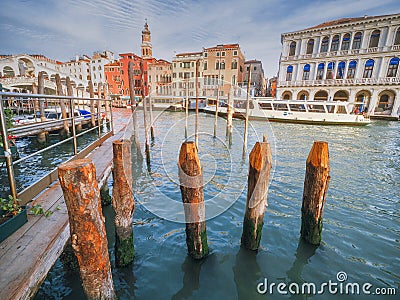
(191, 185)
(123, 202)
(88, 233)
(260, 163)
(316, 184)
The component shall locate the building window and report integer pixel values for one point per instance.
(335, 43)
(393, 66)
(369, 66)
(234, 64)
(205, 54)
(351, 72)
(341, 70)
(205, 65)
(346, 42)
(329, 73)
(374, 40)
(292, 49)
(357, 40)
(310, 46)
(325, 44)
(234, 80)
(235, 52)
(223, 65)
(218, 53)
(397, 37)
(223, 53)
(289, 73)
(306, 72)
(217, 65)
(320, 71)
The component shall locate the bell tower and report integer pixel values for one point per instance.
(147, 51)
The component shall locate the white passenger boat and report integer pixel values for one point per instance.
(298, 111)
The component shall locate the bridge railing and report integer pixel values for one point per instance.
(33, 129)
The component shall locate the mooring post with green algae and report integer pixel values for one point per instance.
(260, 163)
(316, 184)
(191, 185)
(106, 199)
(123, 202)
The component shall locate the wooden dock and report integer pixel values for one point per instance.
(27, 256)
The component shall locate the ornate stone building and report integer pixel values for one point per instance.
(354, 59)
(184, 74)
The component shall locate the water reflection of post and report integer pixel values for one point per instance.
(303, 253)
(191, 278)
(247, 274)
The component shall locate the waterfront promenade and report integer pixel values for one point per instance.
(28, 255)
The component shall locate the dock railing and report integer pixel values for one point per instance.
(23, 115)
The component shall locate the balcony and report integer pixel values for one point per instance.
(340, 82)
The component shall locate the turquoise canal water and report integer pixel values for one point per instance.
(361, 233)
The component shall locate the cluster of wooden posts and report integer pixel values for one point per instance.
(88, 235)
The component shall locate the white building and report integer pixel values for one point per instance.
(160, 78)
(355, 59)
(184, 74)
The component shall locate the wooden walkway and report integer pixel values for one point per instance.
(27, 256)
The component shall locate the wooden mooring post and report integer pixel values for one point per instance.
(123, 202)
(88, 233)
(316, 184)
(60, 92)
(133, 107)
(42, 137)
(191, 185)
(260, 163)
(246, 119)
(92, 109)
(144, 102)
(229, 122)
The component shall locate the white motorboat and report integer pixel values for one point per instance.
(297, 111)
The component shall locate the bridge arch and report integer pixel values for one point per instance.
(8, 71)
(26, 67)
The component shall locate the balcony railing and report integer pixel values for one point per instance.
(342, 53)
(339, 82)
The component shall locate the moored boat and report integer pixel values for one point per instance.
(298, 111)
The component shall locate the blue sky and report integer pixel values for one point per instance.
(60, 29)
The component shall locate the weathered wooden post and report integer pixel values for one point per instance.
(144, 102)
(42, 137)
(260, 163)
(123, 202)
(246, 120)
(229, 123)
(316, 184)
(62, 104)
(36, 108)
(70, 93)
(133, 107)
(191, 184)
(196, 124)
(92, 110)
(151, 119)
(88, 234)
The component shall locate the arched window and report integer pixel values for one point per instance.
(292, 49)
(8, 72)
(374, 40)
(330, 68)
(324, 44)
(393, 67)
(320, 71)
(341, 70)
(351, 72)
(346, 42)
(335, 43)
(310, 46)
(289, 73)
(397, 37)
(306, 72)
(369, 67)
(357, 40)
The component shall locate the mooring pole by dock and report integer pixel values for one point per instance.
(144, 102)
(133, 107)
(92, 111)
(123, 202)
(191, 185)
(88, 233)
(62, 105)
(260, 163)
(229, 122)
(196, 124)
(42, 137)
(151, 119)
(316, 184)
(246, 120)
